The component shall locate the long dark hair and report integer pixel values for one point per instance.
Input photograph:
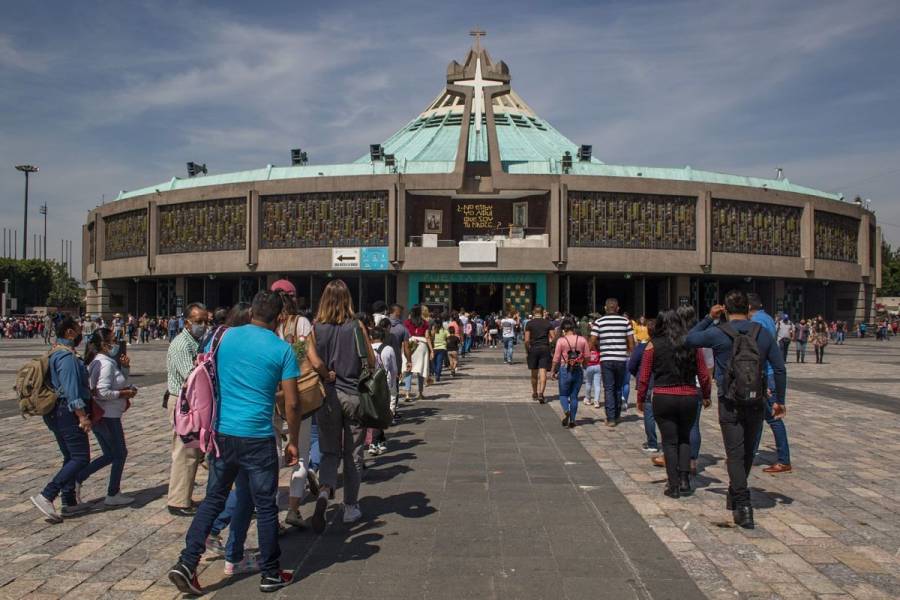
(415, 316)
(670, 326)
(95, 344)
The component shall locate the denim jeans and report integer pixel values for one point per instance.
(778, 428)
(508, 343)
(650, 421)
(407, 382)
(613, 374)
(257, 458)
(76, 451)
(592, 384)
(111, 439)
(315, 455)
(238, 512)
(801, 351)
(439, 357)
(569, 386)
(626, 389)
(467, 345)
(696, 438)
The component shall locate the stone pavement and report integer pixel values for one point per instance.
(484, 495)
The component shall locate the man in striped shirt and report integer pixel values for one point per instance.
(615, 339)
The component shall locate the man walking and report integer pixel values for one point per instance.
(539, 334)
(782, 333)
(179, 362)
(740, 424)
(615, 339)
(759, 315)
(245, 439)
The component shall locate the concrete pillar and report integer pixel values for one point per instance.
(808, 238)
(563, 224)
(401, 227)
(703, 232)
(403, 289)
(553, 292)
(878, 265)
(152, 234)
(863, 241)
(555, 220)
(682, 286)
(392, 223)
(252, 229)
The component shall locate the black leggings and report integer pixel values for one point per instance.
(675, 416)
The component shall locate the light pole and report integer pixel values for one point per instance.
(26, 169)
(43, 211)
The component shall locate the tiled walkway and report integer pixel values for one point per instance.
(484, 495)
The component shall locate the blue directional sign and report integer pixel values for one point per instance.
(374, 259)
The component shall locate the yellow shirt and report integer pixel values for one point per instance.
(641, 334)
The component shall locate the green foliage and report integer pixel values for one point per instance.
(890, 271)
(65, 291)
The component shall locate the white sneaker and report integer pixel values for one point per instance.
(119, 499)
(46, 507)
(352, 514)
(382, 447)
(248, 564)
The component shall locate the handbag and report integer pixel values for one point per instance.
(374, 408)
(310, 391)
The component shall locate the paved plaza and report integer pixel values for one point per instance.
(483, 495)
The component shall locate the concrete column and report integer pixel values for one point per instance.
(392, 223)
(401, 226)
(703, 232)
(99, 243)
(863, 241)
(878, 265)
(553, 292)
(252, 229)
(556, 233)
(403, 289)
(807, 238)
(152, 234)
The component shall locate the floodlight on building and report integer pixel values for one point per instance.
(566, 161)
(584, 152)
(298, 157)
(390, 160)
(194, 169)
(779, 173)
(376, 152)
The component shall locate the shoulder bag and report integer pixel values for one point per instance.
(374, 393)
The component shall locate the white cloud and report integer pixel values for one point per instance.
(13, 57)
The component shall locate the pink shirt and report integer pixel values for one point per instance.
(568, 342)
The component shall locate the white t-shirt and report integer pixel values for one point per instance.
(508, 326)
(303, 329)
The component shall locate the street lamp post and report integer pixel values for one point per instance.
(26, 169)
(43, 211)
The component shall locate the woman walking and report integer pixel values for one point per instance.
(341, 340)
(439, 335)
(675, 368)
(800, 336)
(689, 319)
(569, 361)
(420, 351)
(820, 339)
(111, 396)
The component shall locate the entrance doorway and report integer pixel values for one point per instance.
(483, 298)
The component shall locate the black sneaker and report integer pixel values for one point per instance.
(273, 583)
(185, 580)
(318, 518)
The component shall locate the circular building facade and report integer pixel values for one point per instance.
(480, 203)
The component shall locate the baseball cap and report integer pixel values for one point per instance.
(283, 285)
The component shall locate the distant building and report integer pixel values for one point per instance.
(479, 202)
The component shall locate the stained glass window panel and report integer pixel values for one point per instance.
(755, 228)
(126, 234)
(324, 219)
(207, 226)
(836, 237)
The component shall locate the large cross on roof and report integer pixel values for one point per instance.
(477, 33)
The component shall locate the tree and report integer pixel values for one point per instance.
(890, 271)
(29, 280)
(65, 291)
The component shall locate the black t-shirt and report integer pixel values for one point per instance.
(540, 332)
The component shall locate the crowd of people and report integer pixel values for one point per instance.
(273, 357)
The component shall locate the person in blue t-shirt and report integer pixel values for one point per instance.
(776, 423)
(251, 363)
(740, 426)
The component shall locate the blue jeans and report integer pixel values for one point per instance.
(238, 512)
(778, 428)
(315, 455)
(508, 343)
(407, 382)
(626, 389)
(111, 438)
(439, 357)
(650, 421)
(467, 345)
(613, 374)
(76, 451)
(257, 459)
(592, 383)
(569, 386)
(695, 430)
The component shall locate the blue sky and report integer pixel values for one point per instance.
(110, 96)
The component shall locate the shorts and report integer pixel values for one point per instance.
(539, 358)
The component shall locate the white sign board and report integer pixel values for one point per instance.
(478, 252)
(345, 258)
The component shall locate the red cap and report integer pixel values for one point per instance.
(283, 285)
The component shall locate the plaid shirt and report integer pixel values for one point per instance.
(180, 360)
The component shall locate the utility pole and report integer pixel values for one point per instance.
(26, 169)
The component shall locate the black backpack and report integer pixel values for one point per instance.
(745, 379)
(574, 359)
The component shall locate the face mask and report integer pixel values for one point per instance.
(114, 351)
(197, 330)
